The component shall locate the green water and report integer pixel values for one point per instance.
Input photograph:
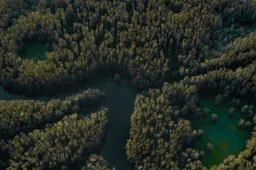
(224, 135)
(34, 51)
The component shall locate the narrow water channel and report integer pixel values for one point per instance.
(119, 100)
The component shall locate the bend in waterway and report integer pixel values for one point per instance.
(119, 100)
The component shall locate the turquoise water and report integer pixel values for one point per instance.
(224, 135)
(34, 51)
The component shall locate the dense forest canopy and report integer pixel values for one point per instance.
(174, 51)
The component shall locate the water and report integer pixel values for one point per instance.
(34, 51)
(224, 135)
(7, 96)
(119, 100)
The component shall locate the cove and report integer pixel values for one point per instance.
(225, 136)
(120, 102)
(34, 51)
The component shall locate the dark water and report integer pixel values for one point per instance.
(7, 96)
(34, 51)
(119, 100)
(224, 135)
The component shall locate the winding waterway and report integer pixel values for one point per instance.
(119, 100)
(224, 135)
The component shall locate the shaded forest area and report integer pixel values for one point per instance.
(174, 51)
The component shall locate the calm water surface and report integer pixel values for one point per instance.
(225, 135)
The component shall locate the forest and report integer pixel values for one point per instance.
(127, 84)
